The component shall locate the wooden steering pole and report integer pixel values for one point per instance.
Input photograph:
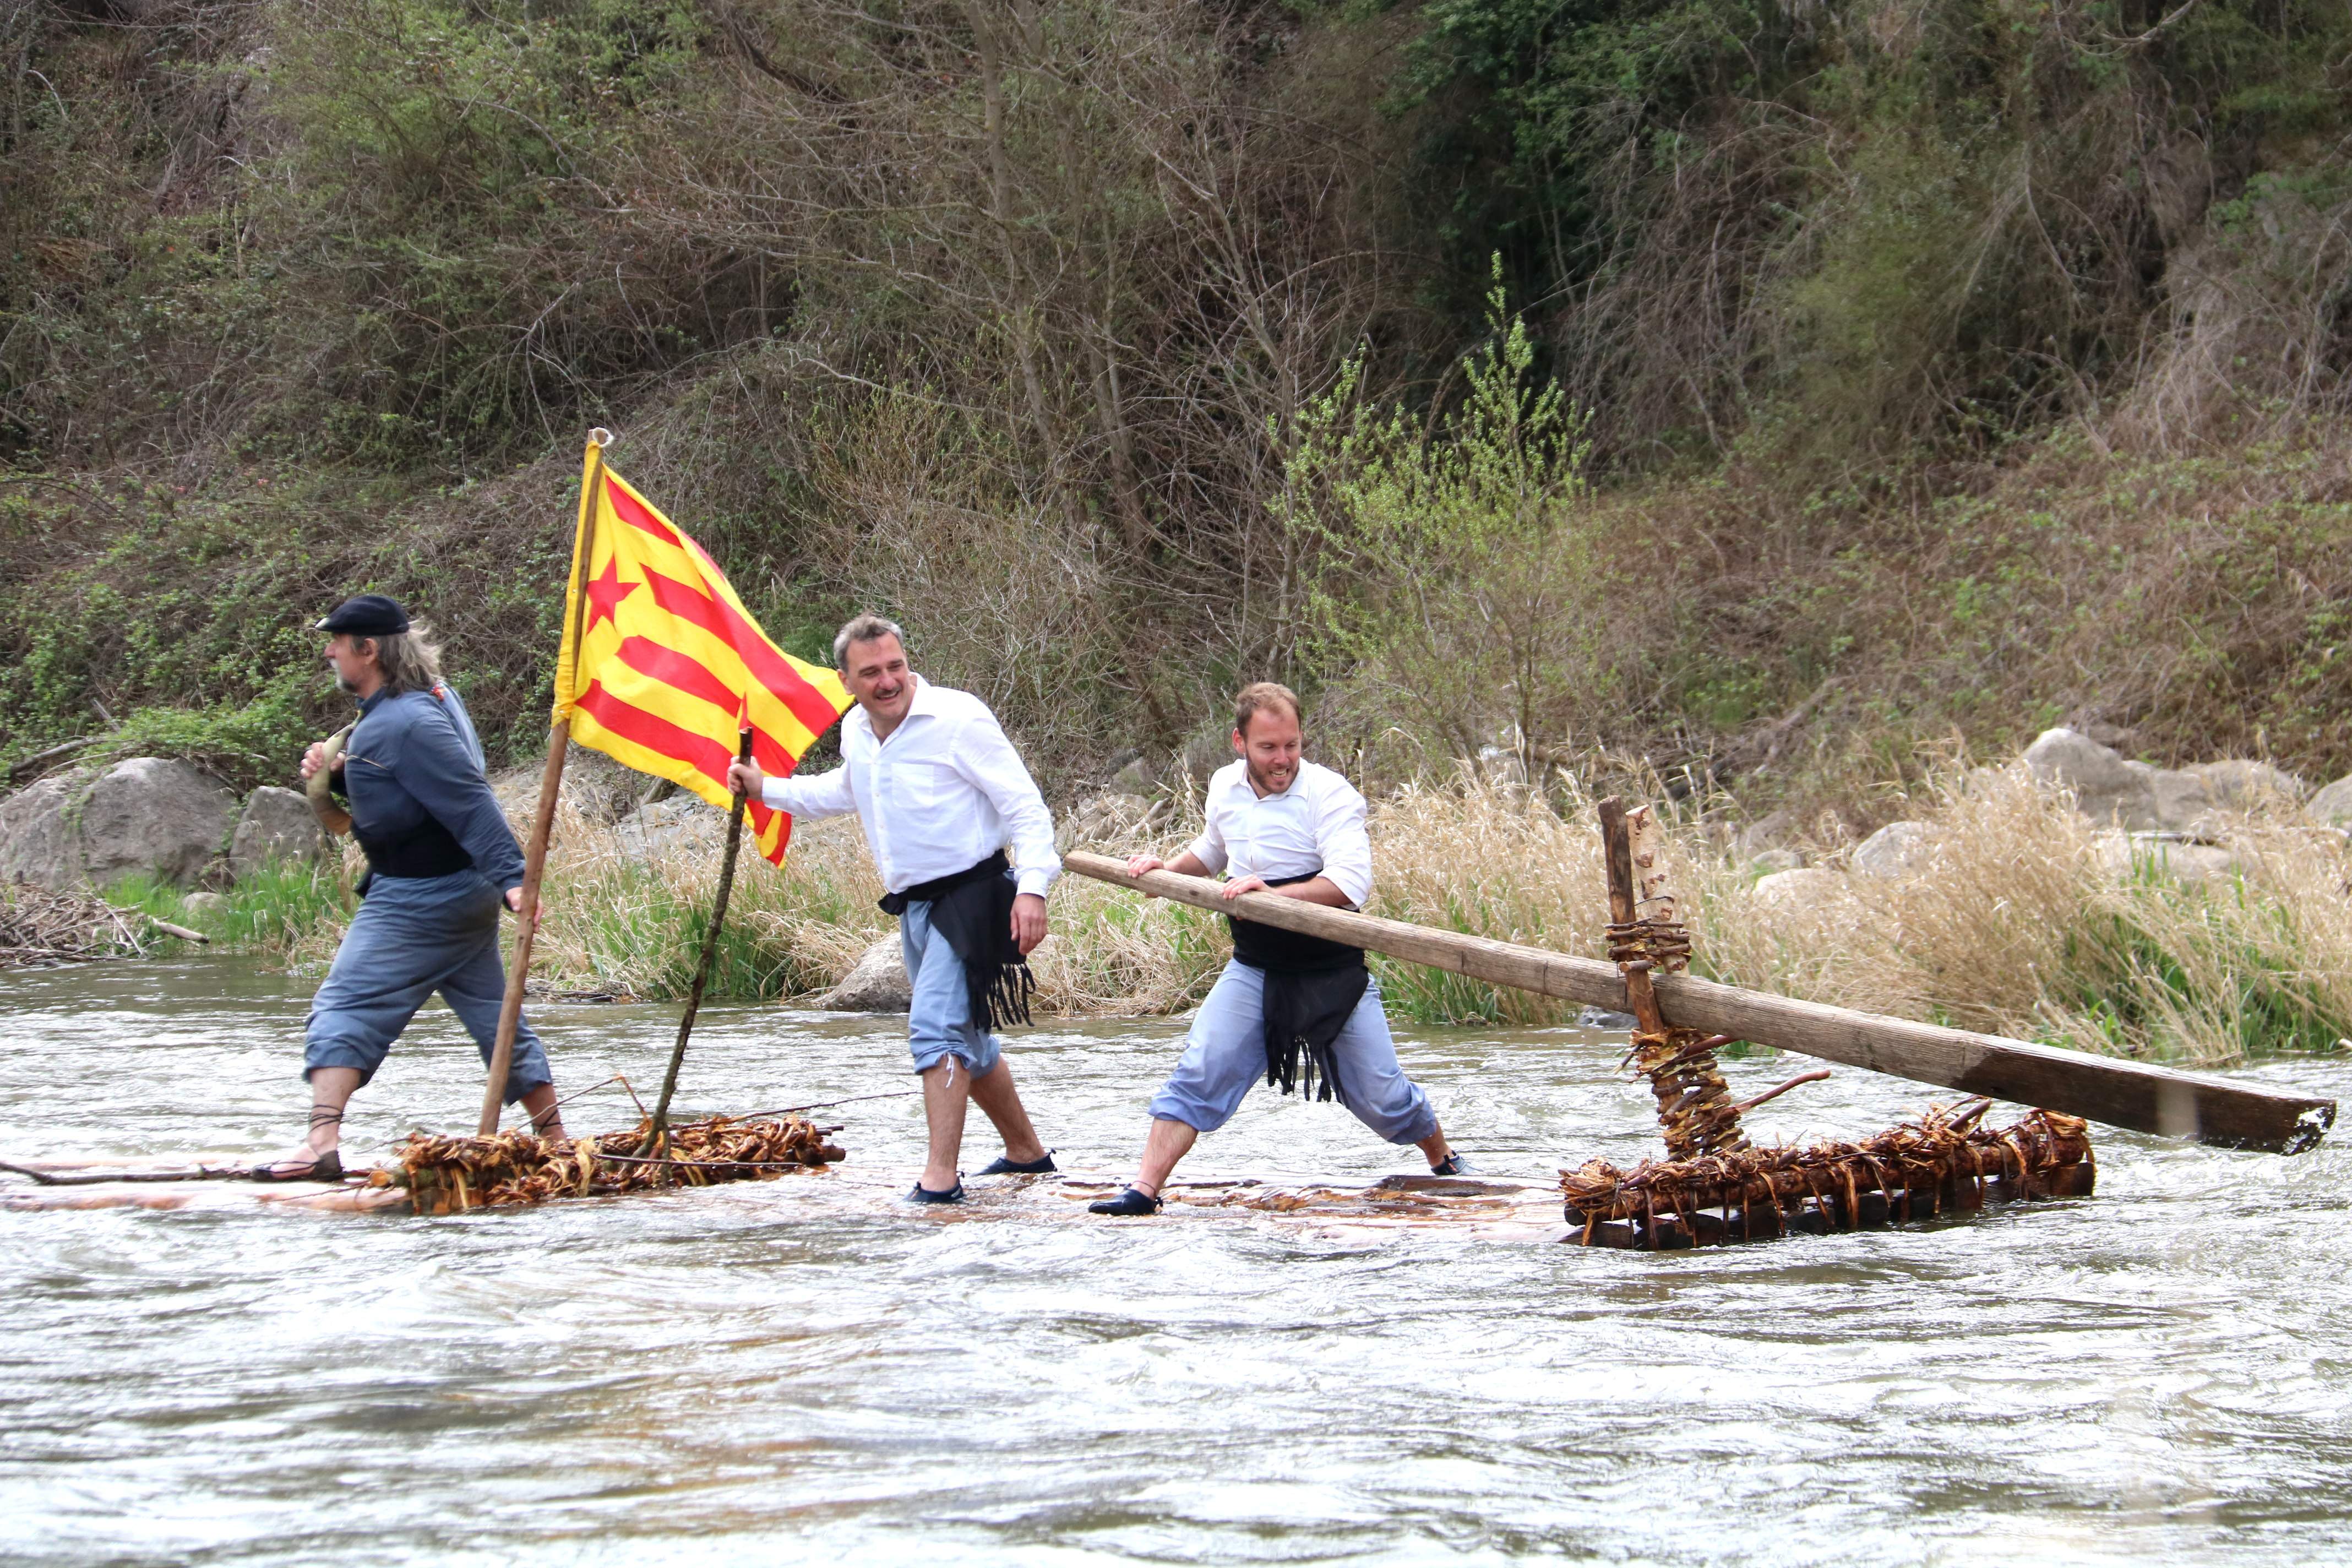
(550, 783)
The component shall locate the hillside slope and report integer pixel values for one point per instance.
(1889, 378)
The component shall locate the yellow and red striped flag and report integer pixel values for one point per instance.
(668, 666)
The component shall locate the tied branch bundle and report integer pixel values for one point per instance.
(40, 926)
(445, 1174)
(1942, 1163)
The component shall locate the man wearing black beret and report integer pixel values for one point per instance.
(441, 860)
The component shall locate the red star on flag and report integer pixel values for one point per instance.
(605, 594)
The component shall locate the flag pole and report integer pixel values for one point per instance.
(550, 780)
(655, 1145)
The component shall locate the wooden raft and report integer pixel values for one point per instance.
(444, 1174)
(1714, 1188)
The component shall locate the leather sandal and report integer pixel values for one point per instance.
(326, 1167)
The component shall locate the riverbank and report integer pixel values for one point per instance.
(2013, 912)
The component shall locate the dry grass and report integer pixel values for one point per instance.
(2017, 924)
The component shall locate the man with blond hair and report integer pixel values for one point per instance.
(1292, 1006)
(940, 791)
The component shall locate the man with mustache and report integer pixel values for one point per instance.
(940, 791)
(1288, 1004)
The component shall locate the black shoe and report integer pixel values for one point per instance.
(1453, 1164)
(1042, 1165)
(1135, 1201)
(326, 1167)
(923, 1195)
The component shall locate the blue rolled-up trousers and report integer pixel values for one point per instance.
(1224, 1057)
(413, 936)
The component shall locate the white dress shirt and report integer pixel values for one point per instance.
(1314, 826)
(944, 793)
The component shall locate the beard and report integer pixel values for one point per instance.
(1267, 781)
(345, 687)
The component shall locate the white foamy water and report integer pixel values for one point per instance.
(766, 1372)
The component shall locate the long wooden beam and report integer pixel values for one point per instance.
(2135, 1095)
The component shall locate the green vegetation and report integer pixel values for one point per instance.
(1791, 396)
(276, 912)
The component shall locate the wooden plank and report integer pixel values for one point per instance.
(2135, 1095)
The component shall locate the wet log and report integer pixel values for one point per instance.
(2135, 1095)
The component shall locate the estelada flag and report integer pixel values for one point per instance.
(661, 665)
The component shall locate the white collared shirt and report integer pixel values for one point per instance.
(1314, 826)
(944, 793)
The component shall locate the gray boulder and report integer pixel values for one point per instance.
(1767, 832)
(153, 815)
(200, 905)
(1898, 850)
(1110, 822)
(2123, 855)
(276, 825)
(1808, 888)
(1765, 862)
(37, 834)
(879, 983)
(681, 825)
(2106, 786)
(1204, 753)
(2332, 806)
(1133, 775)
(2139, 798)
(2240, 784)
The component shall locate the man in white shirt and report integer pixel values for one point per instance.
(940, 791)
(1287, 1005)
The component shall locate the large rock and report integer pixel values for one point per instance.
(2332, 806)
(2125, 856)
(2106, 786)
(682, 825)
(878, 985)
(1111, 822)
(1898, 851)
(1770, 831)
(1132, 773)
(1808, 888)
(2139, 798)
(1204, 753)
(276, 825)
(2240, 784)
(153, 815)
(36, 832)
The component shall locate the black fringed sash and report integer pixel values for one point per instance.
(1312, 988)
(973, 910)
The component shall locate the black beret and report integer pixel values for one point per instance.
(367, 616)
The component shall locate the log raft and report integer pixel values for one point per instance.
(2137, 1096)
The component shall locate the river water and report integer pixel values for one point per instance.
(765, 1373)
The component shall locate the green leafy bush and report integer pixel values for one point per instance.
(1462, 587)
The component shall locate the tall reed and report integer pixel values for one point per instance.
(2022, 920)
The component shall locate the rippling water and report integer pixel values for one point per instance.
(760, 1373)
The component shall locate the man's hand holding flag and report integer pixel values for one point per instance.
(661, 663)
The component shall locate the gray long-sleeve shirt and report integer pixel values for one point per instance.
(416, 755)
